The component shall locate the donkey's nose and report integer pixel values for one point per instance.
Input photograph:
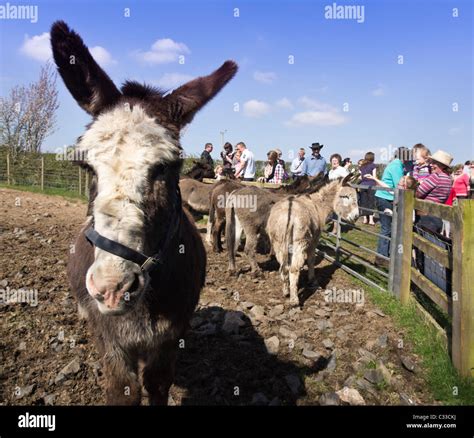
(111, 290)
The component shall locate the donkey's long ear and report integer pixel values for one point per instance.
(350, 177)
(188, 99)
(85, 80)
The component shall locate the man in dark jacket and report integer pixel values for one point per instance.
(206, 155)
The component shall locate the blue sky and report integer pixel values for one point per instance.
(338, 65)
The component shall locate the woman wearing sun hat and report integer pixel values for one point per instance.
(436, 188)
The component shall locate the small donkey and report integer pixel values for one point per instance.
(295, 224)
(138, 264)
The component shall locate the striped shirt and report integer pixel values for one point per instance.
(435, 188)
(421, 171)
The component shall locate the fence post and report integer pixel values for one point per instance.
(42, 173)
(338, 236)
(462, 343)
(8, 169)
(401, 245)
(80, 181)
(86, 185)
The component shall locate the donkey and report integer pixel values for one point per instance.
(138, 263)
(294, 228)
(247, 210)
(216, 222)
(195, 196)
(200, 170)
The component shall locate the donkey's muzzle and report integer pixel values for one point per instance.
(114, 292)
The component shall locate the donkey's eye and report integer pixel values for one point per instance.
(85, 165)
(157, 172)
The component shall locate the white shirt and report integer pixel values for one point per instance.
(338, 172)
(247, 158)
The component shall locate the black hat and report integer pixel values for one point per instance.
(316, 146)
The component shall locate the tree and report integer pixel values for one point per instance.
(28, 114)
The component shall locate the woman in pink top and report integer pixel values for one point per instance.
(461, 183)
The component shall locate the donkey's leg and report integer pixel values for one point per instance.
(286, 281)
(209, 232)
(122, 386)
(250, 251)
(216, 235)
(158, 374)
(311, 263)
(294, 278)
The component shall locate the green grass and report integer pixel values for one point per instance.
(436, 367)
(68, 194)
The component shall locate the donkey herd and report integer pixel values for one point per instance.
(138, 263)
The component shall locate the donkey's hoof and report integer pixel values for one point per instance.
(294, 302)
(313, 284)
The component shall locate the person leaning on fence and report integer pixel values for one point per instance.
(227, 156)
(367, 196)
(461, 181)
(274, 171)
(298, 165)
(435, 188)
(384, 201)
(247, 163)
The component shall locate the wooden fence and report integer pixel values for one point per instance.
(459, 305)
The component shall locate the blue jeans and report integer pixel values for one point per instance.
(383, 246)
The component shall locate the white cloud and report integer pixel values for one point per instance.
(102, 56)
(355, 154)
(37, 47)
(284, 103)
(317, 118)
(256, 108)
(313, 104)
(163, 51)
(455, 130)
(379, 91)
(265, 77)
(172, 80)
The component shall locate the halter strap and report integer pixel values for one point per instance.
(146, 263)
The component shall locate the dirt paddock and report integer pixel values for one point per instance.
(246, 345)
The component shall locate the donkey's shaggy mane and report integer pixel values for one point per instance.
(141, 91)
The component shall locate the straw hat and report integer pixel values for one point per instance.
(442, 157)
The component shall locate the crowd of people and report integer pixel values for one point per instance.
(432, 176)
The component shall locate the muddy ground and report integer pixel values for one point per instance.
(247, 346)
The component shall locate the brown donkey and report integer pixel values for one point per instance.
(139, 263)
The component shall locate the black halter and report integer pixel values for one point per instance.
(146, 263)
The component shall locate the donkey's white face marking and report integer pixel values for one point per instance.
(121, 146)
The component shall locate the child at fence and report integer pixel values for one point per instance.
(422, 167)
(219, 172)
(236, 164)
